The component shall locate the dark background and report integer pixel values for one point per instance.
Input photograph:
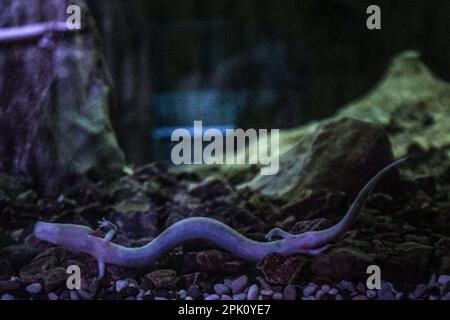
(253, 63)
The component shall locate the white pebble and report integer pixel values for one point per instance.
(212, 297)
(444, 279)
(52, 296)
(182, 294)
(7, 296)
(34, 288)
(310, 289)
(221, 289)
(266, 293)
(371, 294)
(226, 297)
(277, 296)
(239, 296)
(238, 285)
(120, 285)
(253, 292)
(333, 291)
(188, 298)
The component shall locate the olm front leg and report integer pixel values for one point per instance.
(278, 233)
(111, 230)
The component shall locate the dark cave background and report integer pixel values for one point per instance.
(259, 64)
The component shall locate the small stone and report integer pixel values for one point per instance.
(290, 293)
(310, 289)
(360, 297)
(371, 294)
(239, 296)
(346, 285)
(188, 298)
(277, 296)
(182, 294)
(159, 298)
(120, 285)
(212, 297)
(221, 289)
(260, 297)
(444, 279)
(263, 282)
(333, 291)
(266, 293)
(385, 293)
(339, 297)
(34, 288)
(319, 294)
(194, 291)
(325, 288)
(253, 292)
(52, 296)
(7, 297)
(226, 297)
(84, 295)
(309, 298)
(74, 295)
(238, 285)
(434, 297)
(398, 296)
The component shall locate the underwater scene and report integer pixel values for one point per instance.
(231, 150)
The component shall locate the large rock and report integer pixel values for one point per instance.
(340, 155)
(410, 102)
(54, 112)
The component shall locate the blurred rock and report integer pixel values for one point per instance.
(283, 270)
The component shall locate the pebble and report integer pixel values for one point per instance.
(433, 281)
(277, 296)
(226, 297)
(253, 292)
(290, 293)
(339, 297)
(309, 298)
(182, 294)
(360, 297)
(398, 296)
(325, 288)
(310, 289)
(7, 296)
(239, 284)
(212, 297)
(239, 296)
(221, 289)
(158, 298)
(371, 294)
(52, 296)
(346, 285)
(74, 295)
(266, 292)
(385, 293)
(444, 279)
(84, 295)
(319, 294)
(434, 297)
(188, 298)
(120, 285)
(194, 291)
(333, 291)
(34, 288)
